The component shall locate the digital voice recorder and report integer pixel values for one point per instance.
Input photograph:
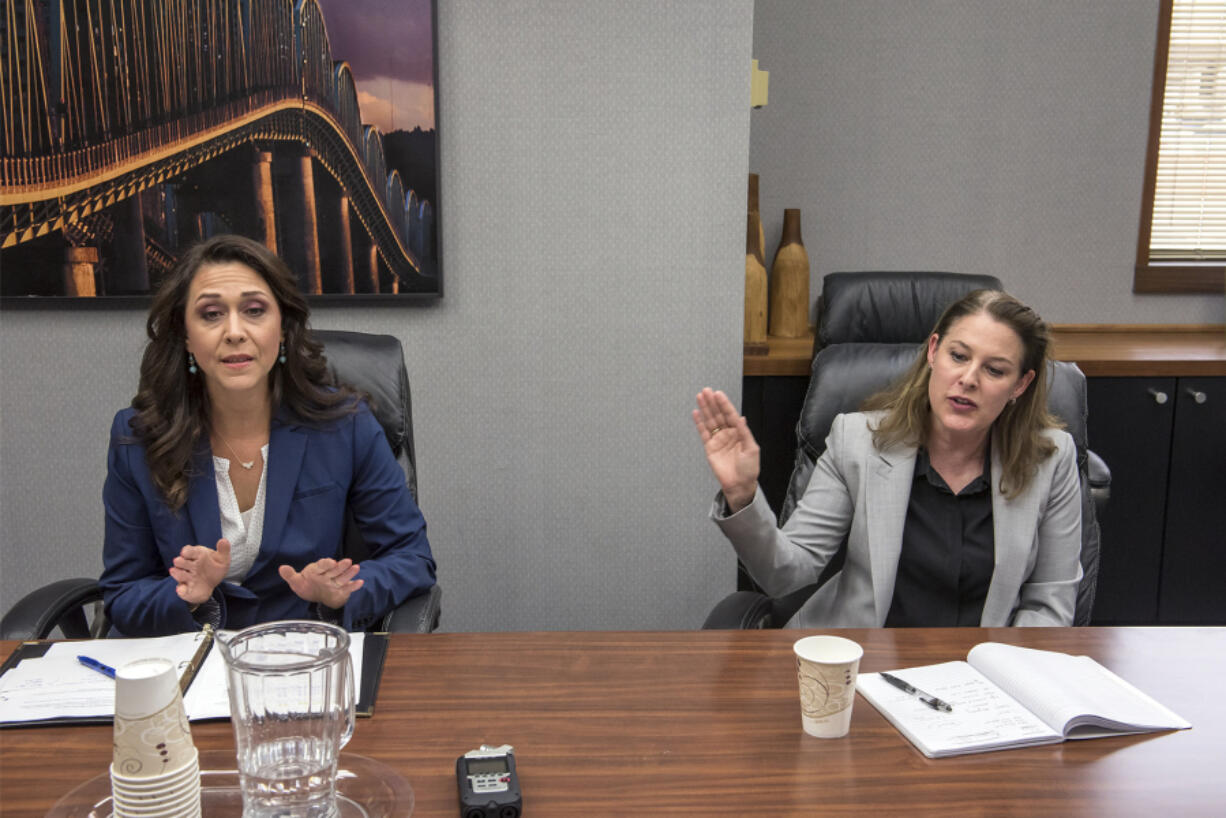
(489, 787)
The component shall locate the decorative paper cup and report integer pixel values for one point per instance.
(152, 738)
(186, 804)
(826, 668)
(180, 801)
(156, 785)
(174, 803)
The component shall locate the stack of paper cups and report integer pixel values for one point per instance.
(155, 769)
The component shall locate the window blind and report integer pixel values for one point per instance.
(1189, 213)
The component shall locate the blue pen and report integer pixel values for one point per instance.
(105, 670)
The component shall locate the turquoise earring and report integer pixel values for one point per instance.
(191, 363)
(282, 358)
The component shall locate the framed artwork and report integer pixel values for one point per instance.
(133, 128)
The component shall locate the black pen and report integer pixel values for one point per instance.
(931, 701)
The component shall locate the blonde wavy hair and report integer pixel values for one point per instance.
(1017, 434)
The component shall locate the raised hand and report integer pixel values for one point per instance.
(199, 569)
(732, 452)
(327, 581)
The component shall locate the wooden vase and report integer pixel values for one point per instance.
(755, 287)
(753, 208)
(789, 282)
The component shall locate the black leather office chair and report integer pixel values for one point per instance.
(373, 364)
(903, 307)
(843, 376)
(873, 323)
(888, 307)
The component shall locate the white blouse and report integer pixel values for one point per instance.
(244, 529)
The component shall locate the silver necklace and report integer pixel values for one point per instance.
(246, 464)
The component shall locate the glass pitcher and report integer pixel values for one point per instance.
(292, 704)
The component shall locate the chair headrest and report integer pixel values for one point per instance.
(845, 375)
(374, 364)
(889, 307)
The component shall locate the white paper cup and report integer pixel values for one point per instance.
(144, 687)
(152, 738)
(826, 668)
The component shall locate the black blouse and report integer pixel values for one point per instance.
(948, 551)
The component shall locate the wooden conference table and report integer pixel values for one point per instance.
(708, 722)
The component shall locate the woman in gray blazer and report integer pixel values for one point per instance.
(955, 490)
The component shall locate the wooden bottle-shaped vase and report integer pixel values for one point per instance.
(789, 284)
(753, 208)
(755, 287)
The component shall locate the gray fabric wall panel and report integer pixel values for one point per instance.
(884, 115)
(594, 160)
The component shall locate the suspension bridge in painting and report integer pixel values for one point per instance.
(104, 99)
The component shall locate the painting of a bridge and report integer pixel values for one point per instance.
(133, 128)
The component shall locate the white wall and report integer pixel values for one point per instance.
(989, 136)
(594, 158)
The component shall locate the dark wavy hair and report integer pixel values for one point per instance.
(172, 406)
(1017, 434)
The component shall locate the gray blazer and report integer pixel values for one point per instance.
(861, 494)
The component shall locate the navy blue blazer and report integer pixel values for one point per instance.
(314, 475)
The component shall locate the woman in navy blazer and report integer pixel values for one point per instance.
(229, 477)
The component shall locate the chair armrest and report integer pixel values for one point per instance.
(740, 610)
(1100, 480)
(417, 614)
(38, 613)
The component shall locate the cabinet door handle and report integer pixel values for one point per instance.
(1197, 395)
(1160, 397)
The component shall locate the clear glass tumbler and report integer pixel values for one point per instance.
(292, 705)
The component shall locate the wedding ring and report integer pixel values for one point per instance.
(716, 429)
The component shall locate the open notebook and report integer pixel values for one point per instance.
(1005, 696)
(43, 683)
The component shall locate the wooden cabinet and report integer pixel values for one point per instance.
(1164, 529)
(1193, 586)
(1129, 426)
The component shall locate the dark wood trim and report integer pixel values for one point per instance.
(1177, 278)
(784, 356)
(1140, 329)
(1147, 279)
(1162, 49)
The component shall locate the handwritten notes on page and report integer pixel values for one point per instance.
(984, 717)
